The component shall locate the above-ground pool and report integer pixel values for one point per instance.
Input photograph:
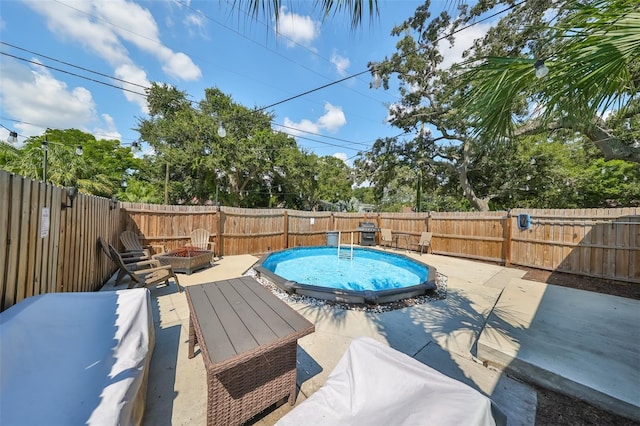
(368, 276)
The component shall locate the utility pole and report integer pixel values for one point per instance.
(419, 191)
(166, 185)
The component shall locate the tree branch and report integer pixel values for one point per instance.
(611, 147)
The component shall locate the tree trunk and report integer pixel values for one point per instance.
(480, 204)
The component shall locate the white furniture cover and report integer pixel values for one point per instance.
(374, 384)
(76, 358)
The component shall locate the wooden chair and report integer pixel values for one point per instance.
(425, 241)
(200, 239)
(131, 242)
(386, 237)
(145, 277)
(135, 260)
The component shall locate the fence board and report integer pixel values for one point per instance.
(13, 243)
(25, 289)
(5, 208)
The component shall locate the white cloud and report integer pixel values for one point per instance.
(195, 21)
(341, 63)
(332, 120)
(103, 26)
(463, 41)
(342, 156)
(181, 67)
(299, 129)
(297, 28)
(36, 96)
(41, 101)
(134, 74)
(110, 131)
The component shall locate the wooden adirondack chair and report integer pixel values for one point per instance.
(145, 277)
(131, 242)
(135, 260)
(200, 239)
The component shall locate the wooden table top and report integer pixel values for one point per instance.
(240, 316)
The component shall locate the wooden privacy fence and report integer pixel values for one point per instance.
(46, 248)
(603, 243)
(64, 256)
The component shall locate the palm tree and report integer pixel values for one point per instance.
(355, 8)
(593, 69)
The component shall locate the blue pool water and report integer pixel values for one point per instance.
(369, 269)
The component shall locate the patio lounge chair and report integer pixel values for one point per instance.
(131, 242)
(76, 358)
(425, 241)
(374, 384)
(200, 239)
(133, 260)
(145, 277)
(386, 237)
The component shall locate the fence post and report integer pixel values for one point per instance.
(428, 220)
(221, 219)
(507, 240)
(285, 227)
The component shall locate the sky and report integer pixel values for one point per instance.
(194, 45)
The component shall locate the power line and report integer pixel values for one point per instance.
(187, 6)
(259, 109)
(73, 74)
(255, 110)
(72, 65)
(106, 137)
(318, 134)
(141, 94)
(369, 69)
(199, 12)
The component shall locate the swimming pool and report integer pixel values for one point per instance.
(369, 276)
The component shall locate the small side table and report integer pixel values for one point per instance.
(405, 237)
(248, 341)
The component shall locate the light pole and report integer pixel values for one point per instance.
(45, 153)
(45, 150)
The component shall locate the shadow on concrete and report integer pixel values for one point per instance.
(441, 334)
(161, 387)
(574, 342)
(307, 367)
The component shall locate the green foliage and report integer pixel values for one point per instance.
(353, 8)
(248, 166)
(100, 169)
(139, 191)
(364, 195)
(444, 112)
(592, 51)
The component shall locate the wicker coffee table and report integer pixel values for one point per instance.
(248, 341)
(186, 259)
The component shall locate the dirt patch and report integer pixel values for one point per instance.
(558, 409)
(614, 288)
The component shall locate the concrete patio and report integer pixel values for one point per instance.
(491, 323)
